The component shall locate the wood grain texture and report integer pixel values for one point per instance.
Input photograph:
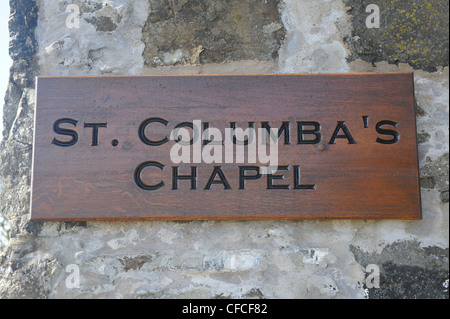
(365, 180)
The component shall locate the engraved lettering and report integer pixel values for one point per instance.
(138, 178)
(62, 131)
(243, 177)
(95, 127)
(271, 177)
(395, 135)
(285, 128)
(297, 184)
(251, 130)
(192, 177)
(223, 180)
(302, 132)
(144, 125)
(342, 126)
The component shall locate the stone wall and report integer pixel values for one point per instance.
(227, 259)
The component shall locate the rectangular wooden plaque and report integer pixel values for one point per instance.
(167, 147)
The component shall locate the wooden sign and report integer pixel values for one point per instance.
(288, 146)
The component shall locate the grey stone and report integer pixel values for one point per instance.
(423, 137)
(435, 173)
(408, 271)
(413, 32)
(444, 197)
(200, 31)
(102, 23)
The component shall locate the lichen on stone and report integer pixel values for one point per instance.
(413, 32)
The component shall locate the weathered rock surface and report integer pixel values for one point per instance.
(413, 32)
